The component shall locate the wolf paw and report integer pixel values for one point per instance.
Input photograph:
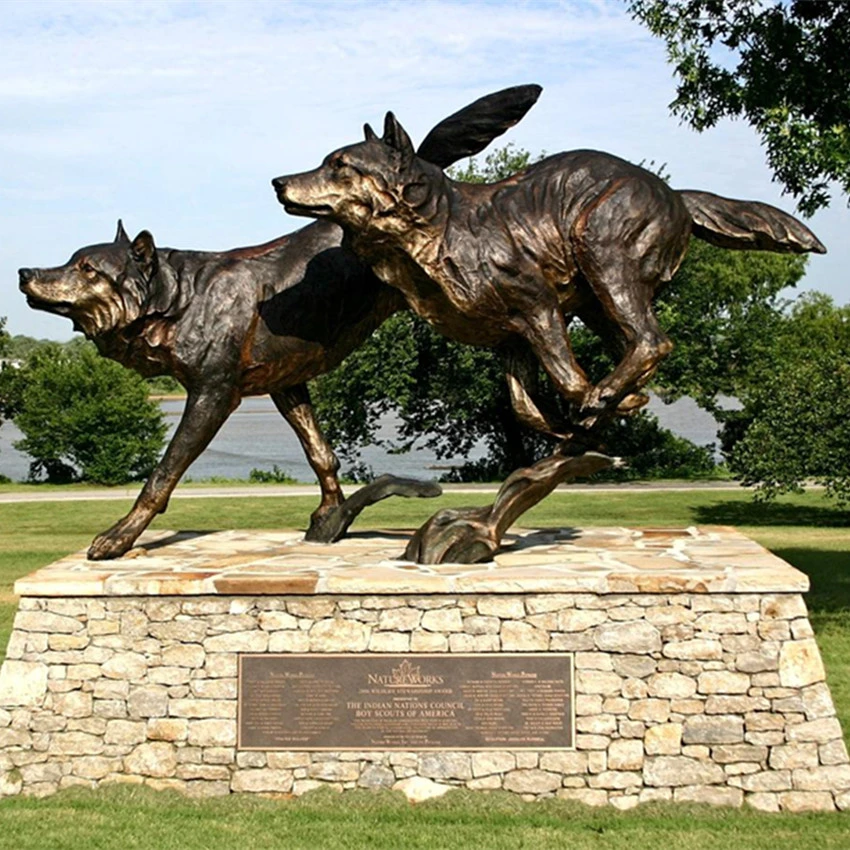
(458, 536)
(111, 544)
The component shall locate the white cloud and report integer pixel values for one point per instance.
(175, 115)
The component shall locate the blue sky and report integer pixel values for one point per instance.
(175, 115)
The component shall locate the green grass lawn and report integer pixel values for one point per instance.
(129, 819)
(807, 531)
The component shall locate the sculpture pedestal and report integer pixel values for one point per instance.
(693, 670)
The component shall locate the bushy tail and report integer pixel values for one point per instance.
(748, 225)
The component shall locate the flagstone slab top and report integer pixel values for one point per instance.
(563, 560)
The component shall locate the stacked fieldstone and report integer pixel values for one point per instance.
(704, 697)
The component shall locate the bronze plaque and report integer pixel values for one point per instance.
(352, 701)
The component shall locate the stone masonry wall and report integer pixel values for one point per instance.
(693, 697)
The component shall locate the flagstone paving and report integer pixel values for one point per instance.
(594, 560)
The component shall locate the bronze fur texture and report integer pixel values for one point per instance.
(508, 265)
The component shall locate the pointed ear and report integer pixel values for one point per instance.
(369, 133)
(396, 137)
(143, 251)
(121, 234)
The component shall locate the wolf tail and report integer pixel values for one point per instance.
(748, 225)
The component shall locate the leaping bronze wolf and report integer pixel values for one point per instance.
(263, 319)
(583, 234)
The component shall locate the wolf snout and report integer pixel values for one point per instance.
(279, 184)
(25, 276)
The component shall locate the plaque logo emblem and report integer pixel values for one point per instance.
(406, 675)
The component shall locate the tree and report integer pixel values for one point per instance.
(7, 372)
(165, 385)
(449, 397)
(794, 424)
(84, 417)
(19, 347)
(4, 350)
(723, 311)
(782, 66)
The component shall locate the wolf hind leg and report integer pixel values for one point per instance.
(625, 258)
(331, 520)
(614, 341)
(645, 346)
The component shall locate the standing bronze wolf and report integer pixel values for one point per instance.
(507, 265)
(263, 319)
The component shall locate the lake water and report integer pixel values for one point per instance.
(256, 436)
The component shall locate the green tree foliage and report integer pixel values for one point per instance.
(20, 346)
(165, 385)
(4, 353)
(782, 66)
(498, 165)
(449, 397)
(723, 311)
(84, 417)
(7, 373)
(794, 425)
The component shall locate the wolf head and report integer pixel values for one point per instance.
(103, 287)
(365, 186)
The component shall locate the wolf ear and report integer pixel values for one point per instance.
(143, 251)
(369, 133)
(121, 234)
(396, 137)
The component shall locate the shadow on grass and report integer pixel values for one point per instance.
(828, 569)
(829, 572)
(736, 512)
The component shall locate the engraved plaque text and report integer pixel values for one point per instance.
(480, 701)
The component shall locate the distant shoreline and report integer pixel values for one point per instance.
(256, 437)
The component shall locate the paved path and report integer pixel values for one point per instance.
(264, 491)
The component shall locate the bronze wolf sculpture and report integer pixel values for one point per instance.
(582, 234)
(263, 319)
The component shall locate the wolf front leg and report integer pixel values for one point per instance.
(295, 406)
(204, 414)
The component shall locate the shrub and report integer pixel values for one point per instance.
(795, 428)
(275, 476)
(86, 418)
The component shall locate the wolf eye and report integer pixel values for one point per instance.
(88, 270)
